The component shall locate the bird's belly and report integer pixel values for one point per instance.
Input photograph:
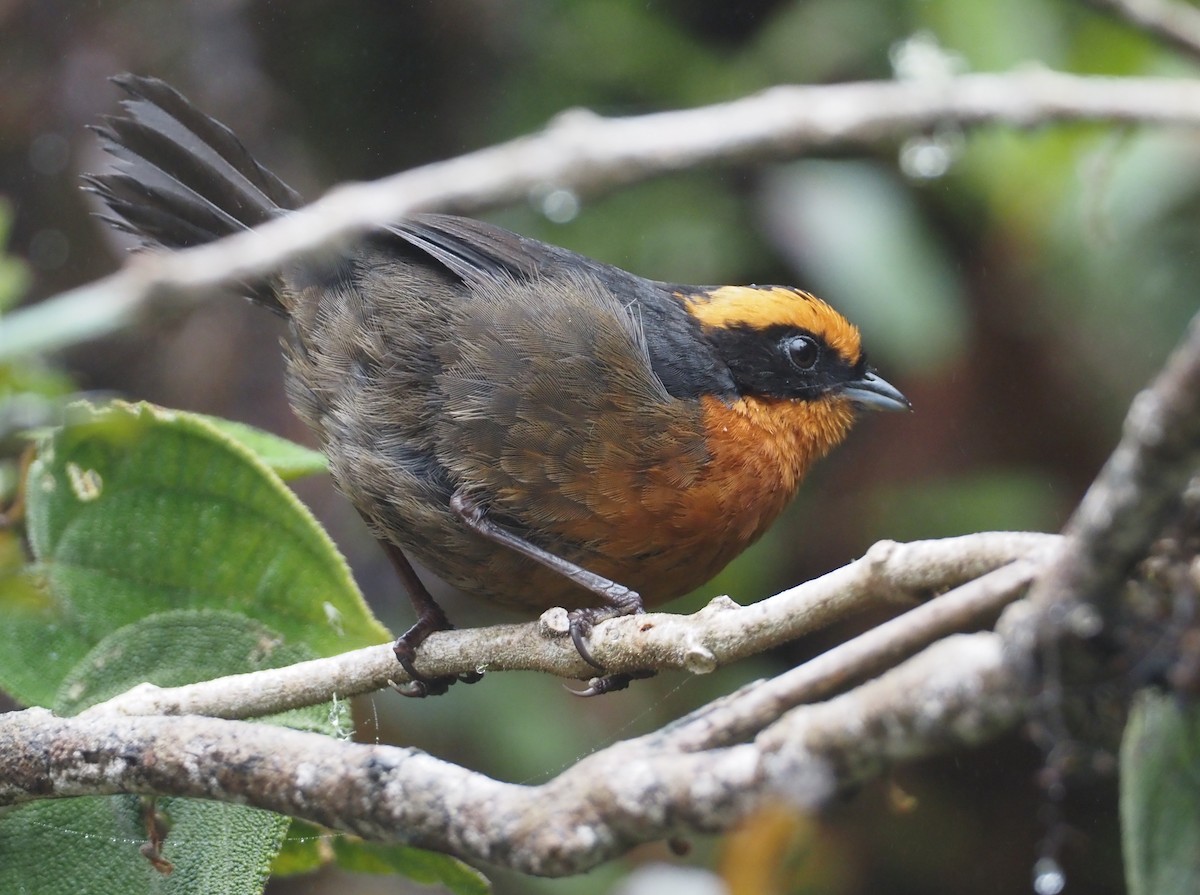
(662, 542)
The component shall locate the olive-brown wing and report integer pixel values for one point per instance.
(555, 421)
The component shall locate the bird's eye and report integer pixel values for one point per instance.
(802, 352)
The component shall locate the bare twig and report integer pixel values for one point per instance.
(748, 710)
(586, 154)
(953, 693)
(1176, 24)
(720, 633)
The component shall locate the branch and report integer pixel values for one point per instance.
(586, 154)
(629, 793)
(704, 773)
(700, 774)
(756, 705)
(697, 775)
(720, 633)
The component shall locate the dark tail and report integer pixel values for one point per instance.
(183, 179)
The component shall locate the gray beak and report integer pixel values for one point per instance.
(873, 393)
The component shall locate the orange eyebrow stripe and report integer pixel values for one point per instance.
(760, 307)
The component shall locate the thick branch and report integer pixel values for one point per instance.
(586, 154)
(720, 633)
(952, 694)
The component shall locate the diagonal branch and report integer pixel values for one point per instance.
(749, 710)
(586, 154)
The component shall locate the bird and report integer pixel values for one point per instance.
(534, 427)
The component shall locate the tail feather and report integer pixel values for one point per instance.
(182, 178)
(159, 214)
(158, 97)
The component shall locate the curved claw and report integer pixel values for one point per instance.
(609, 683)
(405, 653)
(588, 691)
(421, 686)
(581, 626)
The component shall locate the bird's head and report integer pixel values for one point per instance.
(798, 365)
(784, 343)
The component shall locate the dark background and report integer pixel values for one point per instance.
(1020, 299)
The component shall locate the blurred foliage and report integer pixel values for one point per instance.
(1020, 294)
(14, 277)
(27, 389)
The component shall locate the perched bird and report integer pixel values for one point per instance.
(536, 428)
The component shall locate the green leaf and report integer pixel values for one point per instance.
(174, 648)
(308, 847)
(92, 847)
(210, 847)
(134, 510)
(287, 459)
(157, 538)
(417, 864)
(1160, 796)
(38, 642)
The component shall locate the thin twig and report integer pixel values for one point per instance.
(747, 711)
(720, 633)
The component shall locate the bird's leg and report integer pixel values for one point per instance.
(618, 599)
(430, 618)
